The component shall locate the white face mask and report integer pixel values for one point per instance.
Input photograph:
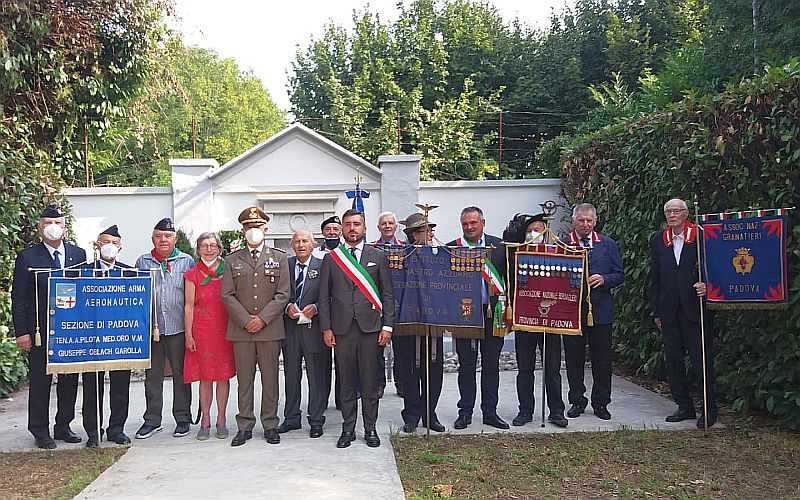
(208, 263)
(109, 252)
(254, 236)
(533, 237)
(53, 231)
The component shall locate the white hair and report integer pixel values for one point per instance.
(584, 207)
(387, 214)
(680, 202)
(307, 231)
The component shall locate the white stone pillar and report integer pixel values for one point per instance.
(400, 184)
(192, 195)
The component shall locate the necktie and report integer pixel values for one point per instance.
(585, 242)
(298, 283)
(255, 254)
(353, 253)
(56, 262)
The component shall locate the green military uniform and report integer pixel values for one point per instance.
(256, 286)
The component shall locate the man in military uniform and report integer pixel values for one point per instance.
(255, 291)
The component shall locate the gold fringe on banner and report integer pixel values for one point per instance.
(97, 366)
(750, 307)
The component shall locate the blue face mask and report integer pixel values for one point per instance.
(331, 243)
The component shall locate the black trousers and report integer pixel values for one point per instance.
(411, 353)
(526, 344)
(120, 383)
(683, 336)
(599, 338)
(39, 396)
(467, 350)
(356, 354)
(295, 349)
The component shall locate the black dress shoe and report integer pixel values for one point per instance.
(288, 426)
(558, 419)
(602, 412)
(372, 439)
(521, 419)
(241, 437)
(409, 428)
(120, 438)
(575, 411)
(681, 415)
(68, 437)
(272, 436)
(495, 421)
(436, 426)
(345, 439)
(92, 442)
(316, 431)
(45, 443)
(462, 422)
(712, 419)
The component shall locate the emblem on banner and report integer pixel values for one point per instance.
(65, 295)
(743, 261)
(467, 309)
(544, 307)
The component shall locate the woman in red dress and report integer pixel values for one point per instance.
(209, 357)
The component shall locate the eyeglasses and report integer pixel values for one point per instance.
(674, 211)
(209, 246)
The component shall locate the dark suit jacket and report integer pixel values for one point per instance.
(672, 284)
(311, 337)
(23, 291)
(341, 302)
(604, 260)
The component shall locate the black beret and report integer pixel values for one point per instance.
(51, 211)
(333, 219)
(165, 224)
(253, 215)
(112, 231)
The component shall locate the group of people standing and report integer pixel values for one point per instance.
(225, 316)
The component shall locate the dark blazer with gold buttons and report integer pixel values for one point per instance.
(256, 288)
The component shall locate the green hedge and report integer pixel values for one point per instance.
(732, 151)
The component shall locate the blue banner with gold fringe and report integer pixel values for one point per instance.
(743, 259)
(437, 289)
(99, 323)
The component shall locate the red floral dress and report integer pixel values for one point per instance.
(213, 359)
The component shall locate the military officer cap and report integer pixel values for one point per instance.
(414, 222)
(51, 211)
(253, 215)
(112, 231)
(333, 219)
(165, 224)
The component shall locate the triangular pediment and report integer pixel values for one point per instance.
(294, 156)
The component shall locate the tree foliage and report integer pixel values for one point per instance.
(736, 150)
(231, 110)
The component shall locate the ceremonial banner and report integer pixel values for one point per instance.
(743, 259)
(547, 292)
(98, 323)
(437, 290)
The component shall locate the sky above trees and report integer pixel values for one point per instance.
(263, 36)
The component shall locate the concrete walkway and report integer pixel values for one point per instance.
(300, 467)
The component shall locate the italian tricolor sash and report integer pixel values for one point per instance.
(358, 274)
(490, 274)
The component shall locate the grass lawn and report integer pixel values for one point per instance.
(736, 462)
(52, 474)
